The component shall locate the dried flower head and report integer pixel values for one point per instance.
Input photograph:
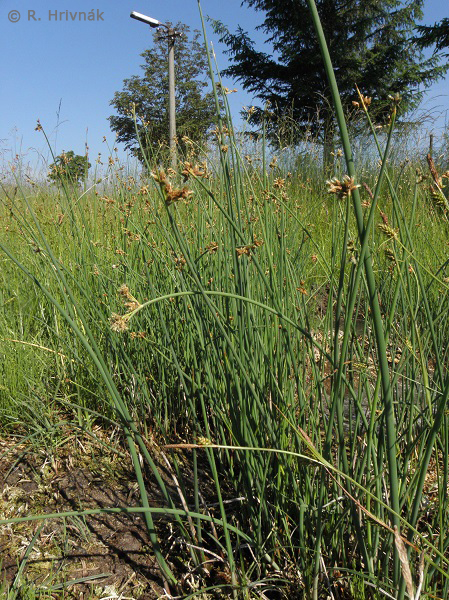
(179, 261)
(65, 159)
(132, 303)
(118, 323)
(438, 198)
(195, 170)
(302, 288)
(241, 250)
(225, 89)
(257, 242)
(138, 335)
(383, 217)
(170, 194)
(366, 101)
(203, 441)
(279, 183)
(437, 179)
(212, 247)
(124, 291)
(341, 188)
(436, 188)
(160, 177)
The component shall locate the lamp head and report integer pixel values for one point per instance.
(148, 20)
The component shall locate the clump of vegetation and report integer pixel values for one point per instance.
(69, 168)
(269, 352)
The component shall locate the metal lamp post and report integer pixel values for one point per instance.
(171, 36)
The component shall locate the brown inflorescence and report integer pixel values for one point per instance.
(341, 188)
(241, 250)
(195, 170)
(118, 323)
(171, 195)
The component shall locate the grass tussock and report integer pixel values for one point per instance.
(273, 350)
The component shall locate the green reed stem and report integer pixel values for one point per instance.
(372, 288)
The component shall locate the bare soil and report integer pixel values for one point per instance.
(78, 475)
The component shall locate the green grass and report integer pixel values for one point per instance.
(294, 352)
(228, 325)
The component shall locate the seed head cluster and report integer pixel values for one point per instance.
(118, 323)
(388, 231)
(249, 249)
(341, 188)
(435, 188)
(195, 170)
(171, 195)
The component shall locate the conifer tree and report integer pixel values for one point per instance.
(371, 46)
(434, 35)
(195, 107)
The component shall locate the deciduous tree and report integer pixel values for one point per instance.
(69, 168)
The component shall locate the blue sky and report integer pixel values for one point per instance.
(51, 66)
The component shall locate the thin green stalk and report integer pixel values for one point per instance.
(372, 289)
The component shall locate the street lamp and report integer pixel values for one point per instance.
(171, 36)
